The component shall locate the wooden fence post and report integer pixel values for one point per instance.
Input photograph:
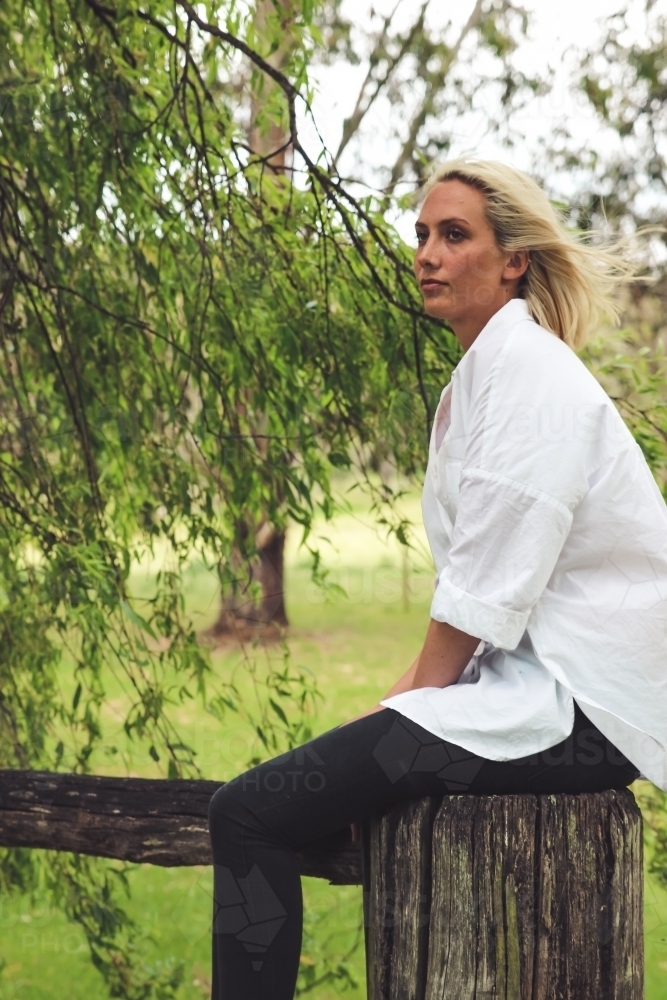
(517, 897)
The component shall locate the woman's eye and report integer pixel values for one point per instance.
(455, 235)
(421, 237)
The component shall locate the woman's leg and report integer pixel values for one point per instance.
(258, 819)
(261, 817)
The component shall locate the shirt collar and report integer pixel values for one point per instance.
(509, 315)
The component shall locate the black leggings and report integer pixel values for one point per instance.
(259, 819)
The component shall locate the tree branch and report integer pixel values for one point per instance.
(419, 118)
(351, 125)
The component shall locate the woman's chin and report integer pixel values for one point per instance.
(435, 307)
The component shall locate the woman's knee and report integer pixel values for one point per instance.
(223, 809)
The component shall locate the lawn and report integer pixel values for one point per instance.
(355, 646)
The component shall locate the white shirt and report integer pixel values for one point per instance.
(549, 535)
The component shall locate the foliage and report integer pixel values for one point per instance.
(653, 804)
(183, 342)
(320, 964)
(188, 341)
(90, 895)
(626, 84)
(634, 377)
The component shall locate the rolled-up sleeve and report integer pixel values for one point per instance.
(506, 541)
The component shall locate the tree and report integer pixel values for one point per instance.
(621, 183)
(621, 179)
(186, 346)
(403, 60)
(240, 616)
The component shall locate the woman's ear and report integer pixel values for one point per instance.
(516, 265)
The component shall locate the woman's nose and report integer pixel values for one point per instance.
(426, 255)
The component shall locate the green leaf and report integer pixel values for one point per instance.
(136, 619)
(278, 710)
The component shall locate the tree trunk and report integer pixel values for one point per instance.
(272, 578)
(137, 819)
(242, 618)
(516, 897)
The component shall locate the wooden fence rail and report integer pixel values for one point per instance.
(162, 822)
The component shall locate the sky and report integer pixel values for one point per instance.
(560, 32)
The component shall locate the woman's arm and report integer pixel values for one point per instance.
(444, 656)
(405, 682)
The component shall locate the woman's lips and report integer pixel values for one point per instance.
(430, 284)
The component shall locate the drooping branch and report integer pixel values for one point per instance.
(332, 187)
(283, 81)
(168, 251)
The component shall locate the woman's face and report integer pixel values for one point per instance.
(463, 274)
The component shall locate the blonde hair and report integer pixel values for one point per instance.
(570, 281)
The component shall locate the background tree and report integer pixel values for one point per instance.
(621, 185)
(240, 615)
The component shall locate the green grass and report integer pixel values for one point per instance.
(356, 647)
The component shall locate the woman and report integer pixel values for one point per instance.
(543, 668)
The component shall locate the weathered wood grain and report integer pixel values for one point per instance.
(397, 899)
(136, 819)
(531, 898)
